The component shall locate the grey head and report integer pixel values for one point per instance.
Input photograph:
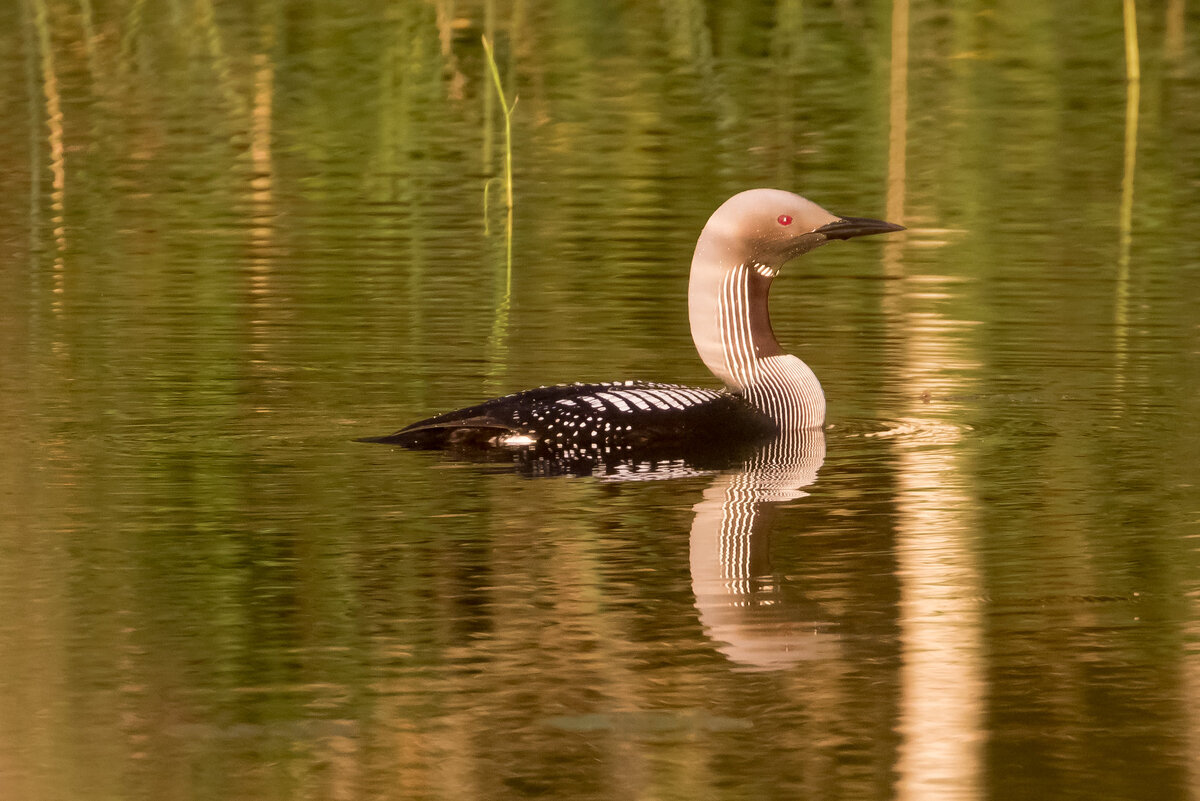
(769, 227)
(741, 249)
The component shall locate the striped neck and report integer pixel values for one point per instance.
(731, 327)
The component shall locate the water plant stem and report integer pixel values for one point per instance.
(507, 111)
(1133, 81)
(499, 336)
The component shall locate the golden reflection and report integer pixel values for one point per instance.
(260, 157)
(942, 674)
(942, 671)
(1191, 694)
(262, 203)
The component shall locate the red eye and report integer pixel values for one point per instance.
(785, 219)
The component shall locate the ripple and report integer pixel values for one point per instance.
(907, 428)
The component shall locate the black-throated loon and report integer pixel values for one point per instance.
(740, 251)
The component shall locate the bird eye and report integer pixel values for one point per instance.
(785, 219)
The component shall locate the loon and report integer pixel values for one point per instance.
(767, 392)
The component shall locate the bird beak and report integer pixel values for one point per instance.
(849, 227)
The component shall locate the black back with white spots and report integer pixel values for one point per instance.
(593, 420)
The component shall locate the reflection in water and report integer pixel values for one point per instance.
(55, 138)
(1190, 676)
(941, 714)
(941, 621)
(1133, 74)
(741, 605)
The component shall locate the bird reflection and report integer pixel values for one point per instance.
(755, 620)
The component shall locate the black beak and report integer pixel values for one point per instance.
(849, 227)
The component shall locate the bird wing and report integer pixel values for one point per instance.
(567, 414)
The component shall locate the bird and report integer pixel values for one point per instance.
(767, 392)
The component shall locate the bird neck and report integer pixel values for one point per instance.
(731, 326)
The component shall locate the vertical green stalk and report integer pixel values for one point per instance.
(500, 323)
(507, 111)
(489, 105)
(54, 134)
(35, 137)
(1133, 75)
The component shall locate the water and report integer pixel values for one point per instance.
(236, 238)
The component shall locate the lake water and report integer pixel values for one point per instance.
(235, 237)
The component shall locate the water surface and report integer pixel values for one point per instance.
(234, 239)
